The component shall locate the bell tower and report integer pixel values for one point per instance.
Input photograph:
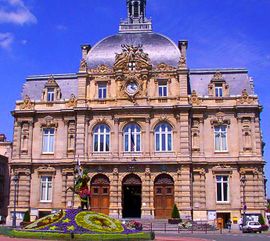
(136, 10)
(136, 20)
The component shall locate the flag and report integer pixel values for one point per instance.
(132, 142)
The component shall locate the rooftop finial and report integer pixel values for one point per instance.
(136, 20)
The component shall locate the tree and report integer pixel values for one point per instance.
(175, 212)
(261, 220)
(26, 217)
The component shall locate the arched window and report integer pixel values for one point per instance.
(132, 138)
(163, 137)
(102, 138)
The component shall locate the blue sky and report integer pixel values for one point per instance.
(44, 37)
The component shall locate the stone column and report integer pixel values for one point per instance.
(80, 140)
(147, 210)
(116, 138)
(114, 211)
(147, 137)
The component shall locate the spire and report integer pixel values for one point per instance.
(136, 20)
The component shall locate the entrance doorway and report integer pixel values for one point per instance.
(164, 196)
(224, 218)
(100, 194)
(132, 196)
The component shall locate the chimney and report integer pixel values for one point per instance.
(85, 49)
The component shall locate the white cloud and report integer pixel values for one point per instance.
(6, 39)
(61, 27)
(15, 11)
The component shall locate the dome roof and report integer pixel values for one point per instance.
(159, 48)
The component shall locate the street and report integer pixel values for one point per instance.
(215, 237)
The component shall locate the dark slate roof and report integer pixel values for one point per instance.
(237, 79)
(159, 48)
(34, 85)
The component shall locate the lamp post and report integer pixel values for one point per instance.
(16, 180)
(243, 181)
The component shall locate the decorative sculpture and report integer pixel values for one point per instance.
(81, 185)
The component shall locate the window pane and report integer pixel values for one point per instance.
(219, 191)
(157, 142)
(169, 142)
(95, 143)
(126, 143)
(101, 143)
(107, 142)
(163, 142)
(138, 144)
(225, 191)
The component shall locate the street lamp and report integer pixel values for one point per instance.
(16, 181)
(243, 181)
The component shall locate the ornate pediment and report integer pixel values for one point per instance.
(220, 119)
(46, 169)
(132, 58)
(218, 77)
(51, 83)
(48, 122)
(27, 104)
(162, 67)
(102, 69)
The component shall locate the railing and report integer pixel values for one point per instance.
(196, 227)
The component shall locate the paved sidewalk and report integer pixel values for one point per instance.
(178, 239)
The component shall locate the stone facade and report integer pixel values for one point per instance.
(5, 156)
(165, 128)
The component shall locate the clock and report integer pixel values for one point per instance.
(132, 88)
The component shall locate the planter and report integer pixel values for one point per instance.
(174, 220)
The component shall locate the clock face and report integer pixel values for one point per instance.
(132, 88)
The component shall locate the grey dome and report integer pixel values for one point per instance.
(159, 48)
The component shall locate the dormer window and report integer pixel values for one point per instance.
(218, 87)
(131, 66)
(218, 90)
(50, 95)
(51, 91)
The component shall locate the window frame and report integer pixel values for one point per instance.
(50, 94)
(219, 90)
(222, 182)
(49, 136)
(137, 137)
(220, 132)
(163, 85)
(161, 133)
(48, 189)
(101, 87)
(106, 134)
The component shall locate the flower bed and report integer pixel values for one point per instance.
(82, 222)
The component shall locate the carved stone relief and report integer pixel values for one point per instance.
(220, 119)
(27, 104)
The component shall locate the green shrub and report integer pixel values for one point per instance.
(175, 212)
(261, 220)
(26, 217)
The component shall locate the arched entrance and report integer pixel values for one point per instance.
(131, 196)
(164, 196)
(100, 194)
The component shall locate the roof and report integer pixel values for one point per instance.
(35, 84)
(237, 79)
(159, 48)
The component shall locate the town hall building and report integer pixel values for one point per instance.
(150, 131)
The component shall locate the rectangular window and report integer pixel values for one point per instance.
(50, 94)
(48, 140)
(46, 189)
(218, 90)
(222, 188)
(162, 89)
(102, 91)
(221, 138)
